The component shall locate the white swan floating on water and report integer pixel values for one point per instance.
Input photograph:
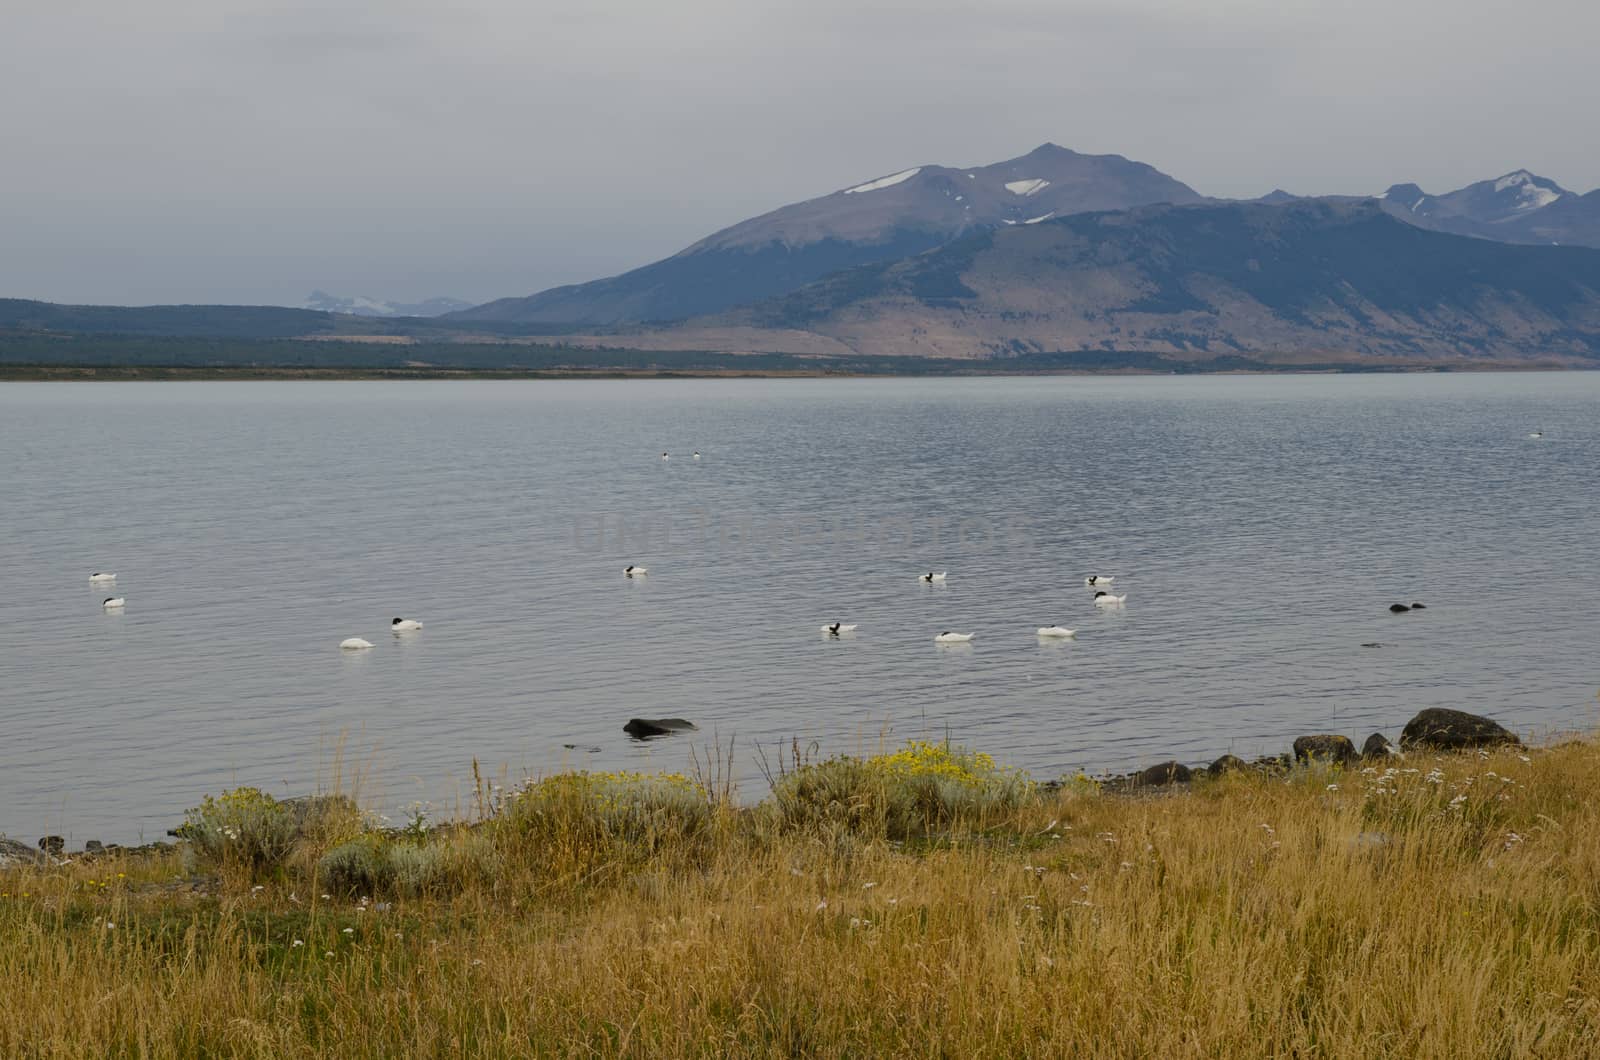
(113, 603)
(1056, 631)
(1098, 579)
(97, 578)
(1536, 434)
(1105, 599)
(630, 570)
(932, 576)
(355, 644)
(405, 625)
(697, 454)
(840, 627)
(953, 638)
(665, 456)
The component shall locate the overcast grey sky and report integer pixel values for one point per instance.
(249, 151)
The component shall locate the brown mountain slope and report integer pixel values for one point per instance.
(1303, 281)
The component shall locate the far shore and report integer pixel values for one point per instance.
(19, 373)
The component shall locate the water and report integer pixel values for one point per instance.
(1261, 525)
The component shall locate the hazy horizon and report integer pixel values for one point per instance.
(249, 153)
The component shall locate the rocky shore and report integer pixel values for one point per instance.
(1433, 729)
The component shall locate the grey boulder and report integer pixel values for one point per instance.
(1227, 764)
(1163, 774)
(1325, 748)
(1378, 746)
(1440, 729)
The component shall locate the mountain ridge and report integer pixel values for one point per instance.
(883, 219)
(1305, 279)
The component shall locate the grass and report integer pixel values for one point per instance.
(1435, 907)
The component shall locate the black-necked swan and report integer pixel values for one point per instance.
(405, 625)
(1105, 599)
(1536, 434)
(954, 638)
(355, 644)
(1056, 631)
(1098, 579)
(630, 570)
(697, 454)
(113, 603)
(97, 576)
(664, 456)
(932, 576)
(840, 627)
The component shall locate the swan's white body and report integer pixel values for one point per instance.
(631, 571)
(1098, 579)
(1103, 599)
(405, 625)
(664, 456)
(113, 603)
(697, 455)
(1056, 631)
(1536, 434)
(932, 576)
(355, 644)
(99, 579)
(954, 638)
(840, 627)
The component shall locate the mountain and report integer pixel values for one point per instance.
(1520, 207)
(1309, 280)
(885, 219)
(370, 307)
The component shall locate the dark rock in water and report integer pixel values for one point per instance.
(52, 845)
(645, 727)
(1418, 607)
(1397, 608)
(1325, 748)
(1165, 773)
(1373, 644)
(1377, 746)
(1439, 729)
(1226, 764)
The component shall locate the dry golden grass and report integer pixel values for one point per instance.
(1453, 911)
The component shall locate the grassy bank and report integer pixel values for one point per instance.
(923, 904)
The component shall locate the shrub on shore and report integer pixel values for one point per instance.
(906, 794)
(1430, 907)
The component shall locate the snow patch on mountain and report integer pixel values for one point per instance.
(1531, 195)
(884, 182)
(1041, 217)
(1026, 187)
(362, 306)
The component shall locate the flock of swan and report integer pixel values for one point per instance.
(1102, 598)
(117, 603)
(398, 626)
(110, 603)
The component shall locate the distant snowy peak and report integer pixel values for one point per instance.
(361, 306)
(1532, 192)
(1519, 207)
(884, 182)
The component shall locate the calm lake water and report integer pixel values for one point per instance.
(1260, 525)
